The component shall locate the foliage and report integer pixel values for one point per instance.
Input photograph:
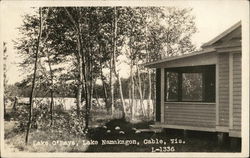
(149, 31)
(79, 43)
(64, 121)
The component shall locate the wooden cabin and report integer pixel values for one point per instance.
(202, 90)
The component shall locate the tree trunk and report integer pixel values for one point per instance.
(103, 81)
(87, 92)
(51, 107)
(132, 90)
(88, 73)
(90, 91)
(4, 107)
(51, 90)
(140, 91)
(115, 66)
(129, 95)
(4, 76)
(80, 80)
(34, 79)
(149, 72)
(133, 97)
(112, 66)
(121, 95)
(122, 98)
(97, 98)
(111, 88)
(15, 104)
(149, 91)
(85, 67)
(154, 99)
(80, 62)
(104, 91)
(88, 76)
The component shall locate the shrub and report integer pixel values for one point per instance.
(63, 121)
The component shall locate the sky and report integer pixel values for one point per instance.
(212, 18)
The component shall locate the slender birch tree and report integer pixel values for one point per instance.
(34, 76)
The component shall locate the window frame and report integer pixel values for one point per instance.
(204, 70)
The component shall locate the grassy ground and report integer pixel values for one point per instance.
(39, 140)
(173, 140)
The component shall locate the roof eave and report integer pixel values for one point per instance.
(152, 64)
(223, 34)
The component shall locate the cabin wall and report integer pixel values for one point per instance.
(223, 116)
(237, 91)
(223, 62)
(190, 114)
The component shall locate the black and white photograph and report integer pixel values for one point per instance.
(124, 78)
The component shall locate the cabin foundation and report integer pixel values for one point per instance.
(235, 142)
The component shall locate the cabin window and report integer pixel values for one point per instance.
(190, 84)
(172, 86)
(192, 87)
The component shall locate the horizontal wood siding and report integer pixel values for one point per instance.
(190, 114)
(224, 90)
(237, 91)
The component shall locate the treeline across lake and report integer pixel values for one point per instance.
(69, 90)
(141, 110)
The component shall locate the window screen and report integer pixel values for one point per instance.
(192, 87)
(196, 83)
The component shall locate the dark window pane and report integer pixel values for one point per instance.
(171, 86)
(210, 85)
(190, 84)
(192, 87)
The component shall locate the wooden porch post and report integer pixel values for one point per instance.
(217, 92)
(162, 94)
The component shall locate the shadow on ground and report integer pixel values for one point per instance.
(173, 140)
